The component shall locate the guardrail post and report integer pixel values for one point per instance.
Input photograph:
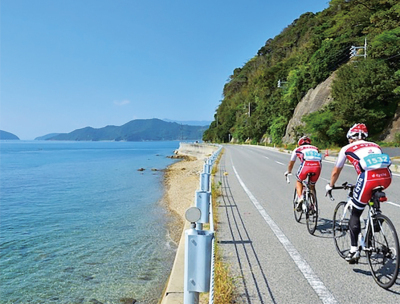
(202, 201)
(207, 168)
(198, 254)
(205, 181)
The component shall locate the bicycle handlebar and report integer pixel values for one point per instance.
(287, 178)
(344, 186)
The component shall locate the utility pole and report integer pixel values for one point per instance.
(280, 83)
(353, 50)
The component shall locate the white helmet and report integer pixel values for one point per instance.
(358, 131)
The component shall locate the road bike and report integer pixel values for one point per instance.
(378, 238)
(309, 206)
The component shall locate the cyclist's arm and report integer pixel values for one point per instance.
(290, 166)
(335, 175)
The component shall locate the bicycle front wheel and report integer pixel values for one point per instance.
(312, 213)
(341, 232)
(383, 251)
(297, 214)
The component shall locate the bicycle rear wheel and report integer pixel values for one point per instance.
(383, 251)
(297, 214)
(341, 232)
(312, 213)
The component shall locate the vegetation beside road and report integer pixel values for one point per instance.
(260, 97)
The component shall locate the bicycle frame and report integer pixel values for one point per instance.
(373, 209)
(367, 222)
(378, 238)
(309, 206)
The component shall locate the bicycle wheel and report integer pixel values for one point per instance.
(383, 251)
(341, 232)
(312, 213)
(297, 214)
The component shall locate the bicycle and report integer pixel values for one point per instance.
(378, 238)
(309, 207)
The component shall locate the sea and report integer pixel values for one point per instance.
(80, 223)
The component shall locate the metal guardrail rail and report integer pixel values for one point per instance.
(199, 243)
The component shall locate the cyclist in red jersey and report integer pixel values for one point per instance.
(372, 167)
(310, 159)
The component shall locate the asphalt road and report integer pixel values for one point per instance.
(274, 259)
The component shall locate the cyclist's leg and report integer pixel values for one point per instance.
(359, 202)
(315, 170)
(300, 176)
(355, 227)
(299, 188)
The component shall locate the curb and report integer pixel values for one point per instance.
(173, 293)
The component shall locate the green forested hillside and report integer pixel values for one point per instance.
(366, 88)
(136, 130)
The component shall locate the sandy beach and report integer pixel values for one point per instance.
(182, 179)
(181, 182)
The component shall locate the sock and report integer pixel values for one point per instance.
(353, 248)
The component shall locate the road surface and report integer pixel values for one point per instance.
(274, 259)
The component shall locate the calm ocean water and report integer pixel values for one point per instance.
(79, 223)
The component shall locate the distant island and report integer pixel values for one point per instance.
(7, 136)
(47, 136)
(135, 130)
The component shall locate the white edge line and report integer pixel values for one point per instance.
(323, 293)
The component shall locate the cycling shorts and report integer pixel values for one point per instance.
(313, 167)
(366, 182)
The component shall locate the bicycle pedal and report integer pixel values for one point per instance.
(353, 262)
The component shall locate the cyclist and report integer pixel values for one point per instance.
(372, 167)
(310, 159)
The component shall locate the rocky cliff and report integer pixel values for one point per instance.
(317, 98)
(389, 135)
(314, 100)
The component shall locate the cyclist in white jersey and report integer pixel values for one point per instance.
(310, 159)
(372, 167)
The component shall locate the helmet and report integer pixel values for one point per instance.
(358, 131)
(305, 140)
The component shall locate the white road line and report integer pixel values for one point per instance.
(391, 203)
(323, 293)
(280, 163)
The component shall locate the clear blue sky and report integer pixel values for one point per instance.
(69, 64)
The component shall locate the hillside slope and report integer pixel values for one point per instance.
(7, 136)
(136, 130)
(359, 41)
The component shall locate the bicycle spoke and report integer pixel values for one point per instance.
(312, 214)
(341, 233)
(383, 253)
(297, 214)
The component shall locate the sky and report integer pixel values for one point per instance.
(69, 64)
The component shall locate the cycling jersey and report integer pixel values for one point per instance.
(371, 166)
(310, 159)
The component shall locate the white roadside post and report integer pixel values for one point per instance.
(198, 247)
(202, 201)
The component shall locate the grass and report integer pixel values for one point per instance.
(224, 288)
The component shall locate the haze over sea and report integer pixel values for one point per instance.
(79, 223)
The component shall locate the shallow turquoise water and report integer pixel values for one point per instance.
(79, 222)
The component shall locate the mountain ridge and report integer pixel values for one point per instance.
(135, 130)
(4, 135)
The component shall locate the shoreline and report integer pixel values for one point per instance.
(180, 183)
(181, 180)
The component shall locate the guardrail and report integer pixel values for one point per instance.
(199, 243)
